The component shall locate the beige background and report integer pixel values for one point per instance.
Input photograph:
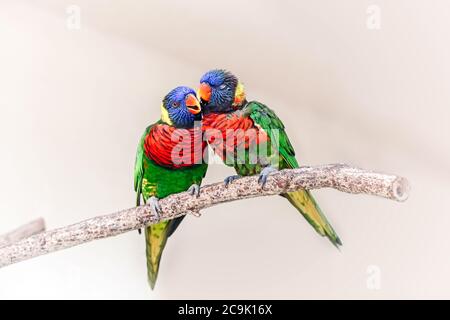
(73, 104)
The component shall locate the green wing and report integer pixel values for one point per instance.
(155, 235)
(266, 119)
(139, 167)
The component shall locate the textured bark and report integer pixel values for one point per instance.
(338, 176)
(22, 232)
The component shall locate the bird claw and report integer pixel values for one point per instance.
(262, 180)
(194, 190)
(230, 179)
(155, 207)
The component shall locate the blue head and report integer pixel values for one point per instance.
(220, 91)
(180, 108)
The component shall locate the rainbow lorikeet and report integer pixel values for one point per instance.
(167, 162)
(225, 107)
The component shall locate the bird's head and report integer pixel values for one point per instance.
(181, 108)
(220, 91)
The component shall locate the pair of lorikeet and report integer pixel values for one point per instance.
(219, 105)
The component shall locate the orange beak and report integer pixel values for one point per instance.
(204, 92)
(192, 104)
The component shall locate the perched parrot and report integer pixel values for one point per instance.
(225, 107)
(164, 167)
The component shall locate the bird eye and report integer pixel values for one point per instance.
(223, 86)
(176, 104)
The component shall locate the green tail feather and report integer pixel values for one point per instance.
(155, 241)
(304, 202)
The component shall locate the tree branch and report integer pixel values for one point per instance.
(22, 232)
(338, 176)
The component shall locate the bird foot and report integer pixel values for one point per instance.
(155, 207)
(194, 190)
(262, 180)
(230, 179)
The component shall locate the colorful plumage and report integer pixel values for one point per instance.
(169, 160)
(225, 107)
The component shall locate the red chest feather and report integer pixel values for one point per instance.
(175, 148)
(227, 132)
